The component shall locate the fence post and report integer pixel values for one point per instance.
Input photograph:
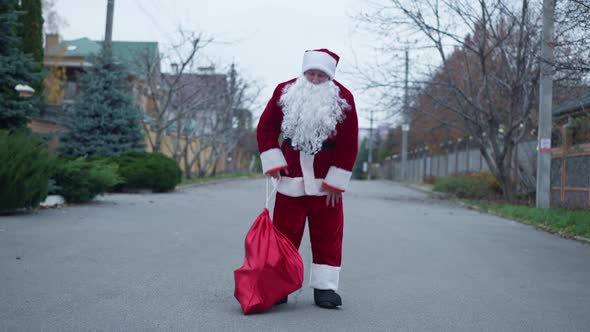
(457, 157)
(467, 149)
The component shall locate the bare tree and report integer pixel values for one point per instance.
(573, 35)
(161, 90)
(486, 85)
(237, 117)
(52, 20)
(220, 117)
(199, 104)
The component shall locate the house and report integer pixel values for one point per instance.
(66, 60)
(205, 92)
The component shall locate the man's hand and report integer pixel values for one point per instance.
(333, 196)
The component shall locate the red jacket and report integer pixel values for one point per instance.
(330, 168)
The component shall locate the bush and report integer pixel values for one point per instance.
(25, 166)
(143, 170)
(463, 187)
(488, 178)
(81, 180)
(430, 179)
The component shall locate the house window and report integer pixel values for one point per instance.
(70, 93)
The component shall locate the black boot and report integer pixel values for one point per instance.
(326, 298)
(282, 301)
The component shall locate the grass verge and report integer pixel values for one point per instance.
(568, 223)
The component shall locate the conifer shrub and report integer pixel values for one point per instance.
(25, 167)
(81, 180)
(145, 170)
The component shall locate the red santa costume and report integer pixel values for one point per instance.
(319, 125)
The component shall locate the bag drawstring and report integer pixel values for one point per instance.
(275, 184)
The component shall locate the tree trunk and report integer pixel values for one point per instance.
(188, 171)
(157, 142)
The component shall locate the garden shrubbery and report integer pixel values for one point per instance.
(80, 180)
(25, 167)
(143, 170)
(28, 173)
(430, 179)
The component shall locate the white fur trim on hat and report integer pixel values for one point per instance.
(321, 61)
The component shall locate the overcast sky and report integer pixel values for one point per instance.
(266, 38)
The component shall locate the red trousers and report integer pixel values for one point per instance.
(325, 224)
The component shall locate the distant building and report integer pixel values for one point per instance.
(66, 60)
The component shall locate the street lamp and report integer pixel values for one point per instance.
(24, 90)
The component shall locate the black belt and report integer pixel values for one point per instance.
(325, 146)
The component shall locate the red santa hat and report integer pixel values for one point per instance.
(321, 59)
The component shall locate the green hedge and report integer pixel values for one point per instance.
(80, 180)
(25, 167)
(144, 170)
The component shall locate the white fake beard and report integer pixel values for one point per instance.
(311, 113)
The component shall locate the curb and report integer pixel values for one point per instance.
(477, 208)
(424, 190)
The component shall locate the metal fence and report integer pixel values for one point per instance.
(570, 177)
(457, 159)
(570, 169)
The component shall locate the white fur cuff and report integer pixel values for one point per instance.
(324, 276)
(272, 159)
(337, 178)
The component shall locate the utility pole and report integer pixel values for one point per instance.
(370, 161)
(108, 35)
(405, 125)
(545, 106)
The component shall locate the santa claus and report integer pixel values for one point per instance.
(316, 117)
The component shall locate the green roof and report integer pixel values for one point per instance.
(573, 105)
(128, 52)
(82, 47)
(132, 53)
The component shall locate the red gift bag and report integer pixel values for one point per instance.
(272, 268)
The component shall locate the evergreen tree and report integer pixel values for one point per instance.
(15, 68)
(390, 146)
(30, 31)
(104, 120)
(362, 157)
(30, 28)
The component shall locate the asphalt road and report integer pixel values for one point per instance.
(164, 262)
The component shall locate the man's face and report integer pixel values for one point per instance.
(316, 76)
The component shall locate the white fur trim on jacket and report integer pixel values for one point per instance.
(324, 276)
(272, 159)
(320, 61)
(294, 187)
(338, 178)
(309, 181)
